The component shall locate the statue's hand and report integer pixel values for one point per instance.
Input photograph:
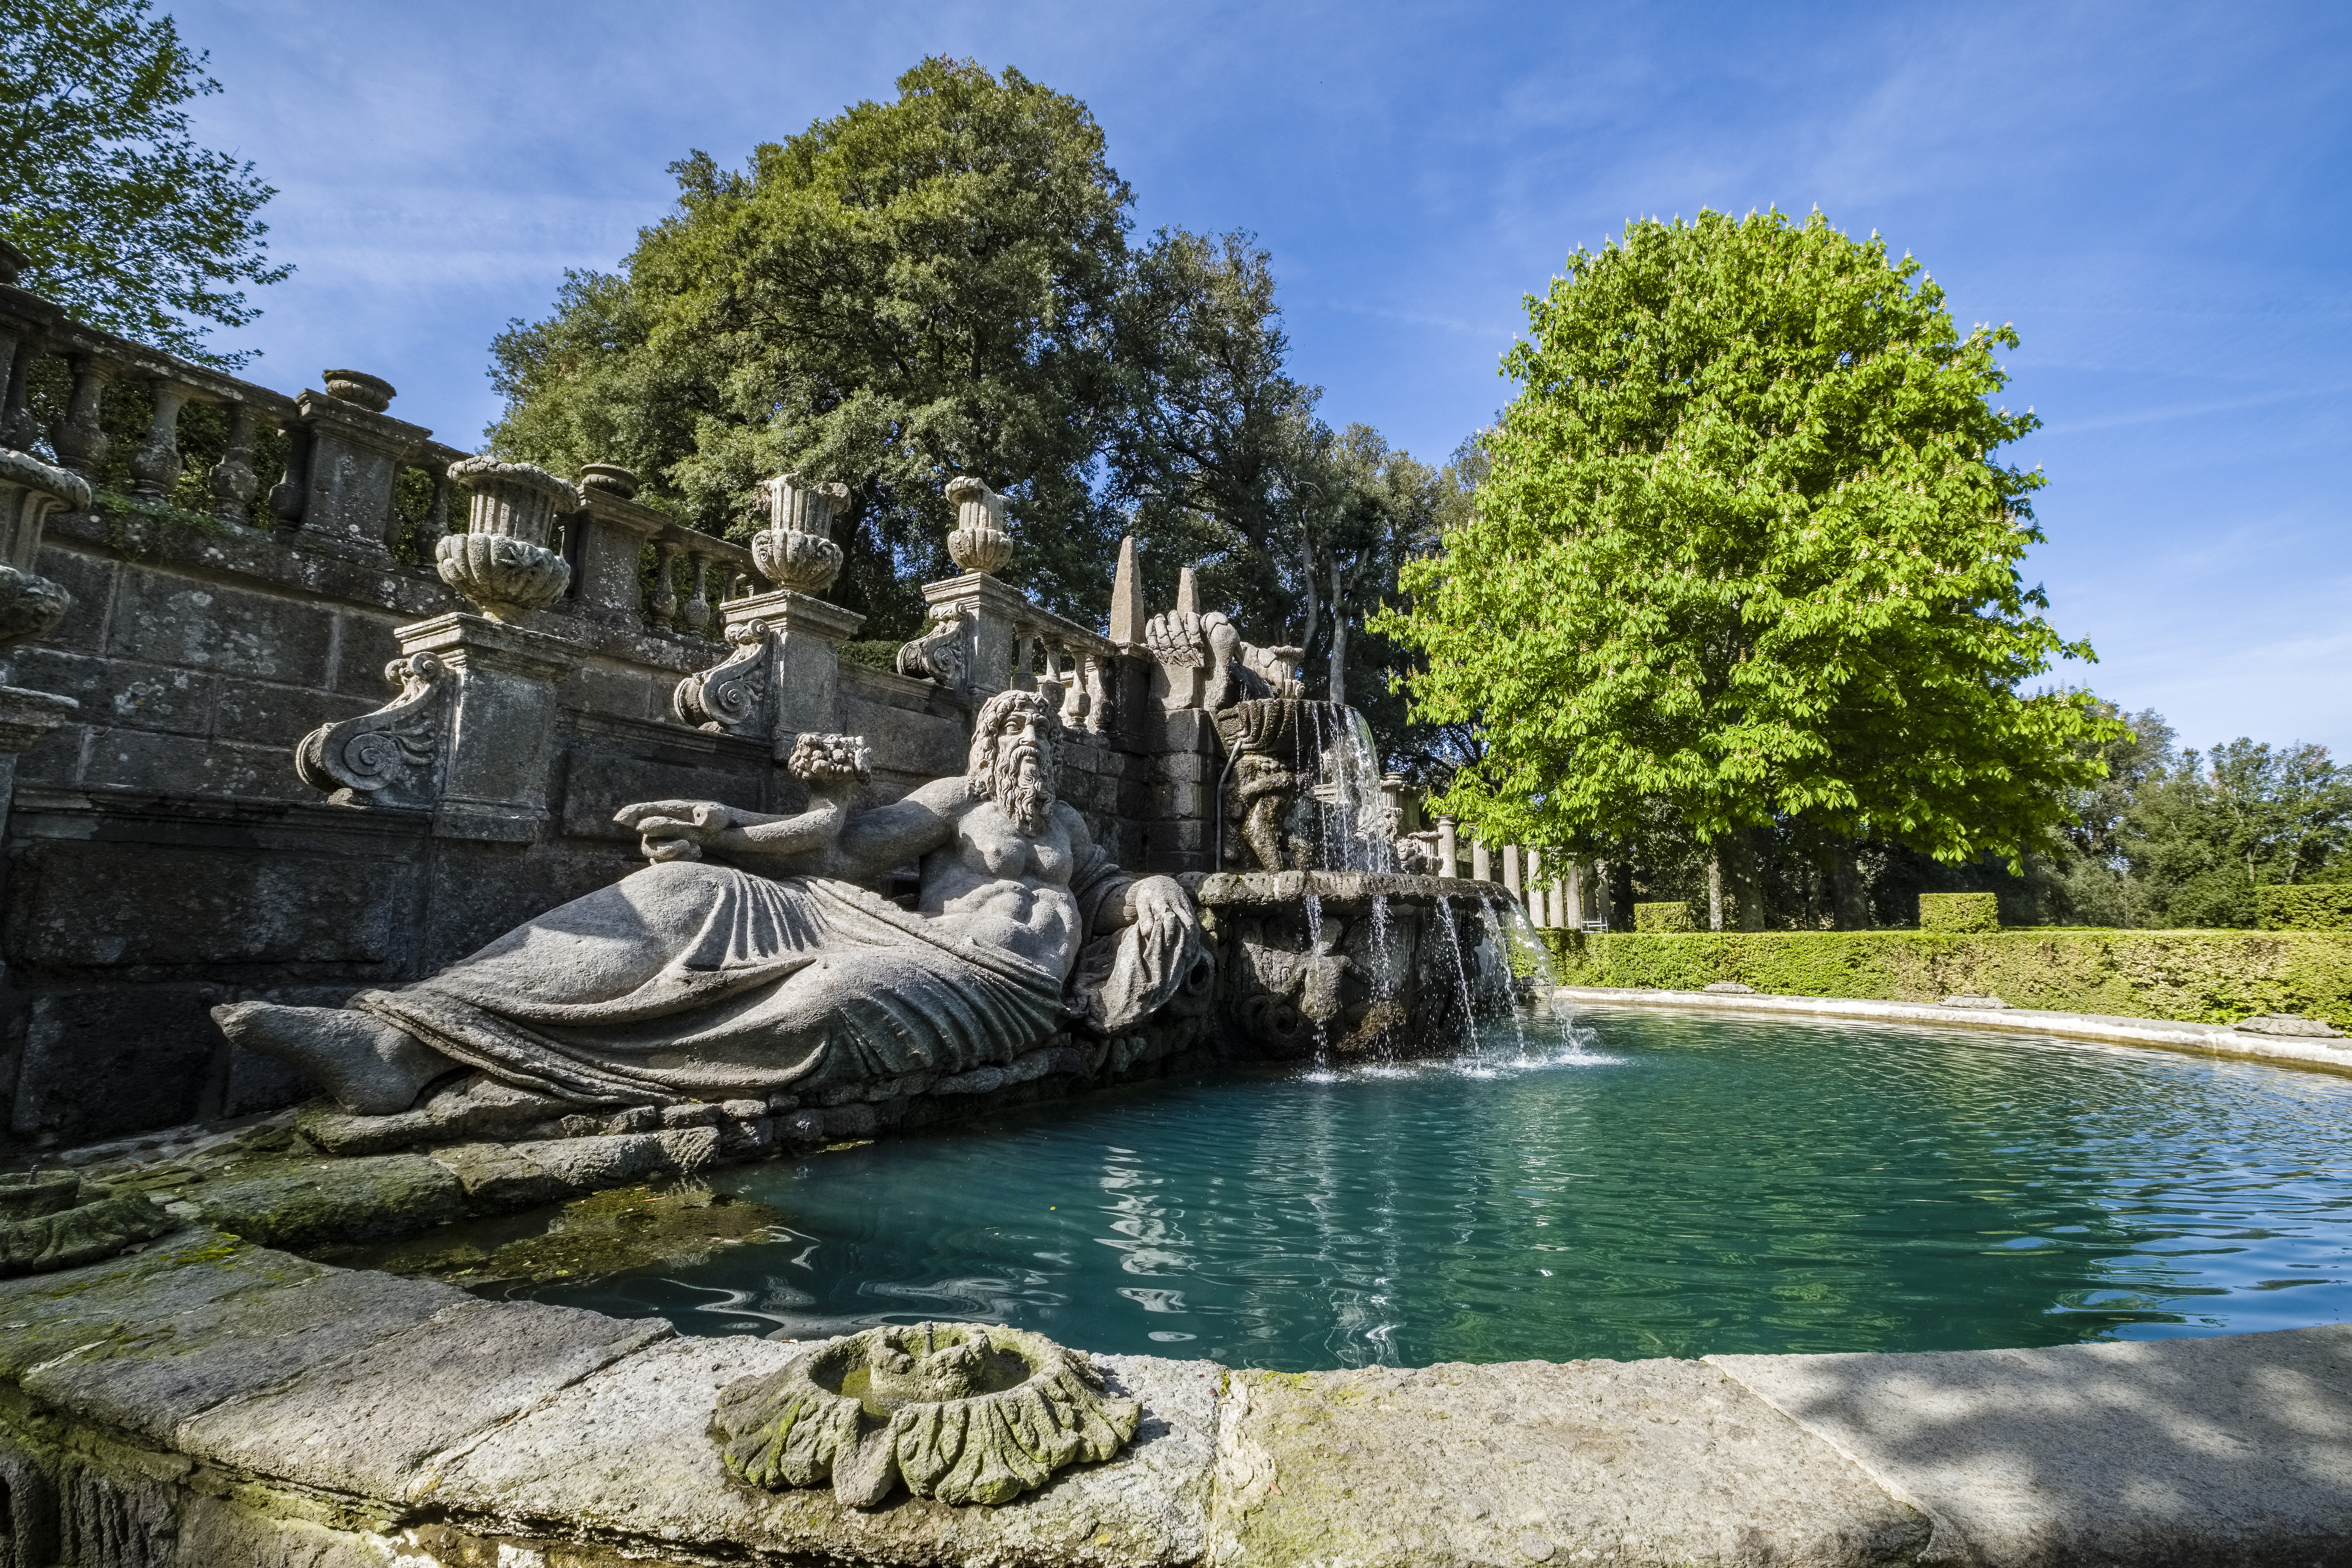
(1176, 639)
(1157, 908)
(677, 830)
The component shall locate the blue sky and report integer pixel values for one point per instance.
(2155, 195)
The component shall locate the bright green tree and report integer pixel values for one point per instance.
(1748, 555)
(121, 217)
(902, 292)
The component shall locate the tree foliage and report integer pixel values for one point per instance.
(1747, 557)
(902, 292)
(122, 219)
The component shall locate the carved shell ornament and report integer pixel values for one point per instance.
(796, 551)
(965, 1412)
(979, 541)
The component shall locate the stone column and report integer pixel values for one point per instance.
(786, 675)
(30, 606)
(1482, 862)
(498, 738)
(1573, 897)
(353, 457)
(1449, 848)
(1534, 897)
(615, 530)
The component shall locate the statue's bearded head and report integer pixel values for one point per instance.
(1016, 757)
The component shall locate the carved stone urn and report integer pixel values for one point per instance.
(796, 550)
(965, 1412)
(502, 563)
(30, 490)
(980, 541)
(372, 393)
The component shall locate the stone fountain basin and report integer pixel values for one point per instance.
(210, 1401)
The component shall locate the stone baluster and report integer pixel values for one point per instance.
(1449, 847)
(233, 481)
(696, 611)
(155, 462)
(664, 599)
(79, 439)
(287, 496)
(436, 526)
(1099, 703)
(19, 429)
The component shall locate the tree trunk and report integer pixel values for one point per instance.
(1338, 636)
(1848, 907)
(1307, 579)
(1746, 880)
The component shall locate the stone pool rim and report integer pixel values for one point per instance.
(2159, 1033)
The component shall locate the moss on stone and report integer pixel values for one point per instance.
(602, 1234)
(2195, 976)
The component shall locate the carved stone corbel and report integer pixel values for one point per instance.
(940, 654)
(389, 757)
(731, 697)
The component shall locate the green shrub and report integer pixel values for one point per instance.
(1664, 918)
(882, 655)
(2200, 977)
(1960, 911)
(2328, 907)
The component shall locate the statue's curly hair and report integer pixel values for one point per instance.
(986, 729)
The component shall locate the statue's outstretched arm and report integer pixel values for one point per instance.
(872, 842)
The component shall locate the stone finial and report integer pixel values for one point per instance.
(30, 490)
(1125, 603)
(965, 1412)
(796, 551)
(610, 477)
(372, 393)
(980, 541)
(502, 563)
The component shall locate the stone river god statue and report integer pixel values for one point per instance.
(698, 980)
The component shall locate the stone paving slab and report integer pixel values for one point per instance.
(138, 1297)
(365, 1422)
(625, 1455)
(2232, 1450)
(1664, 1462)
(234, 1347)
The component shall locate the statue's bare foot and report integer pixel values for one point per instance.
(370, 1068)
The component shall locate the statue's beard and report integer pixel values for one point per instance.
(1021, 794)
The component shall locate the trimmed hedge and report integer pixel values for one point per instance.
(2199, 976)
(1664, 918)
(2303, 906)
(1960, 911)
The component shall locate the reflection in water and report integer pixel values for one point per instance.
(1638, 1185)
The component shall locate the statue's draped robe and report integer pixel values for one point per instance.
(694, 981)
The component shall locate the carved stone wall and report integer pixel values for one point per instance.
(167, 851)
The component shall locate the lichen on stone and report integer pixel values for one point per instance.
(961, 1413)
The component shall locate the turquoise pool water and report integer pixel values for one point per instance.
(1629, 1184)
